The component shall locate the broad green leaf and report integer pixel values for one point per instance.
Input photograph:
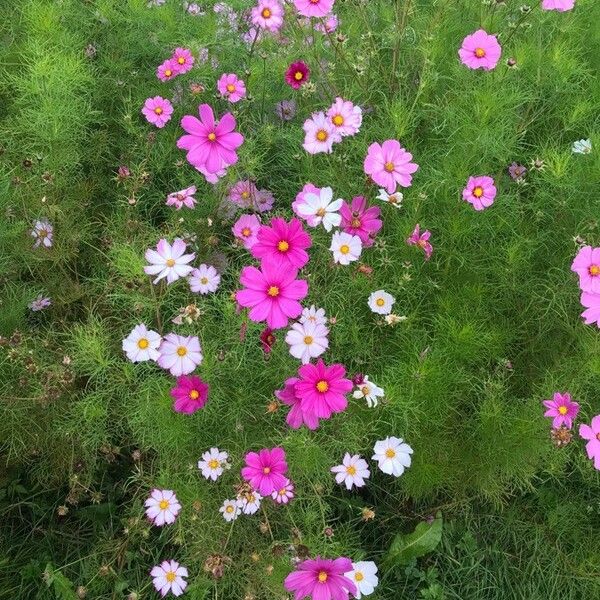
(407, 547)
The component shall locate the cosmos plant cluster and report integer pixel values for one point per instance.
(272, 289)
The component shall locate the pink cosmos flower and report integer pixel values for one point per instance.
(323, 389)
(389, 164)
(480, 50)
(179, 354)
(157, 111)
(169, 577)
(421, 240)
(42, 232)
(345, 117)
(168, 261)
(212, 178)
(308, 188)
(284, 494)
(559, 5)
(246, 230)
(231, 87)
(167, 71)
(359, 220)
(296, 417)
(283, 244)
(184, 60)
(209, 145)
(320, 134)
(265, 470)
(40, 303)
(243, 193)
(592, 434)
(264, 201)
(562, 410)
(182, 198)
(162, 507)
(587, 266)
(314, 8)
(329, 25)
(480, 192)
(321, 579)
(272, 293)
(297, 74)
(190, 394)
(267, 14)
(591, 302)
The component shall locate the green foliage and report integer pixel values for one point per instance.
(406, 548)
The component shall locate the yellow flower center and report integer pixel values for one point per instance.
(322, 386)
(245, 195)
(43, 233)
(194, 395)
(158, 110)
(212, 137)
(181, 351)
(422, 243)
(213, 463)
(181, 60)
(266, 13)
(594, 270)
(322, 574)
(322, 135)
(358, 576)
(230, 88)
(320, 212)
(380, 301)
(283, 246)
(229, 508)
(170, 576)
(344, 249)
(273, 291)
(267, 470)
(170, 262)
(308, 340)
(479, 52)
(389, 167)
(168, 73)
(478, 192)
(163, 504)
(390, 453)
(203, 280)
(392, 199)
(563, 410)
(246, 232)
(338, 120)
(355, 223)
(298, 75)
(351, 470)
(143, 343)
(282, 492)
(365, 390)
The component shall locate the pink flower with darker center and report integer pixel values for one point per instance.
(267, 340)
(480, 50)
(167, 71)
(284, 244)
(320, 134)
(190, 394)
(322, 389)
(592, 434)
(421, 240)
(389, 164)
(345, 117)
(562, 410)
(308, 188)
(297, 74)
(231, 87)
(267, 14)
(246, 230)
(480, 192)
(587, 265)
(210, 145)
(184, 60)
(559, 5)
(314, 8)
(272, 293)
(265, 470)
(321, 579)
(296, 416)
(182, 198)
(359, 220)
(157, 111)
(591, 302)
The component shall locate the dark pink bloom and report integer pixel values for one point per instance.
(321, 579)
(480, 50)
(562, 410)
(283, 244)
(265, 470)
(184, 60)
(272, 293)
(296, 417)
(421, 240)
(389, 165)
(267, 339)
(592, 434)
(297, 74)
(167, 71)
(322, 389)
(359, 220)
(591, 302)
(587, 266)
(480, 192)
(157, 111)
(190, 393)
(210, 145)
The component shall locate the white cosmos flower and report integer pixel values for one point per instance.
(393, 455)
(249, 503)
(353, 471)
(307, 340)
(230, 510)
(381, 302)
(162, 507)
(369, 391)
(168, 261)
(204, 279)
(322, 208)
(364, 576)
(141, 344)
(213, 463)
(313, 315)
(582, 147)
(346, 248)
(169, 577)
(394, 199)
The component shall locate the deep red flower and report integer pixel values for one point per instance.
(297, 74)
(267, 339)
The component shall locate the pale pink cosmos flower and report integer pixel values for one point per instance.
(299, 201)
(562, 410)
(388, 165)
(591, 302)
(231, 87)
(313, 315)
(204, 279)
(320, 134)
(480, 50)
(328, 25)
(246, 230)
(320, 208)
(480, 192)
(157, 111)
(162, 507)
(314, 8)
(169, 577)
(587, 265)
(346, 248)
(212, 178)
(42, 232)
(421, 240)
(307, 340)
(265, 470)
(39, 303)
(559, 5)
(168, 261)
(284, 494)
(179, 354)
(167, 71)
(184, 60)
(345, 117)
(282, 243)
(141, 344)
(267, 14)
(592, 434)
(243, 193)
(352, 472)
(264, 201)
(182, 198)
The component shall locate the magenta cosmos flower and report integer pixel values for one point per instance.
(480, 192)
(421, 240)
(283, 244)
(296, 416)
(210, 145)
(179, 354)
(190, 394)
(182, 198)
(267, 14)
(591, 302)
(480, 50)
(265, 470)
(587, 266)
(359, 220)
(345, 117)
(314, 8)
(231, 87)
(592, 434)
(184, 60)
(562, 410)
(308, 188)
(321, 579)
(297, 74)
(246, 230)
(389, 165)
(167, 71)
(157, 111)
(272, 293)
(559, 5)
(322, 389)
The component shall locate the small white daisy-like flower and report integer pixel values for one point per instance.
(393, 455)
(307, 340)
(213, 463)
(346, 248)
(313, 315)
(249, 503)
(230, 510)
(168, 577)
(42, 233)
(369, 391)
(364, 576)
(162, 507)
(204, 279)
(582, 147)
(322, 208)
(168, 261)
(381, 302)
(141, 344)
(394, 199)
(353, 471)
